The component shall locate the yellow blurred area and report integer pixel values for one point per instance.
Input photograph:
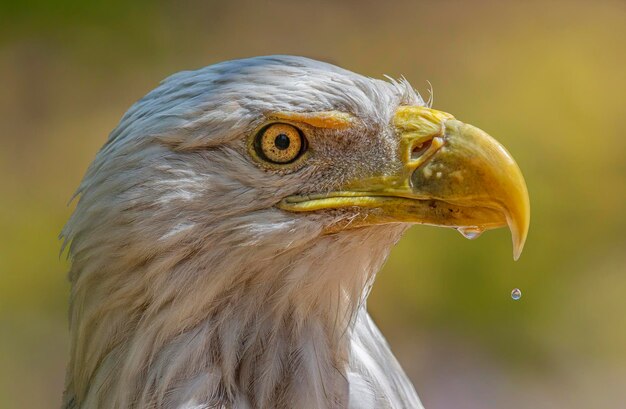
(544, 78)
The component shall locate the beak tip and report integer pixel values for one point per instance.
(519, 231)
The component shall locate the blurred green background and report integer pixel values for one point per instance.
(545, 78)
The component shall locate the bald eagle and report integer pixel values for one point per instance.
(228, 233)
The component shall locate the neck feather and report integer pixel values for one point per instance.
(262, 321)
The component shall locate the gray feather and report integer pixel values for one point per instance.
(191, 290)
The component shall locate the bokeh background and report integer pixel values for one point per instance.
(545, 78)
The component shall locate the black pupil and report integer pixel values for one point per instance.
(282, 141)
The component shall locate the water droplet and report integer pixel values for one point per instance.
(516, 294)
(470, 232)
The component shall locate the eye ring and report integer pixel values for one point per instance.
(280, 143)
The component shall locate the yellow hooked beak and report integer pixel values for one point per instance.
(452, 174)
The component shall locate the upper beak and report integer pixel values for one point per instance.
(473, 170)
(452, 174)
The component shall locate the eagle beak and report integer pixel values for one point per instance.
(462, 166)
(452, 174)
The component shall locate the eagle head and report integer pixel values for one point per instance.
(229, 230)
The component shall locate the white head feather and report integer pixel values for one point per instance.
(191, 290)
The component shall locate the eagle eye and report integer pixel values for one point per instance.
(280, 143)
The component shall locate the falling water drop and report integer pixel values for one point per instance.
(471, 233)
(516, 294)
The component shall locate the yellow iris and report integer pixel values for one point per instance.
(280, 143)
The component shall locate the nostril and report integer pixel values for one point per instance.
(419, 149)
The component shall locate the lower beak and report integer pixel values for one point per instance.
(452, 174)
